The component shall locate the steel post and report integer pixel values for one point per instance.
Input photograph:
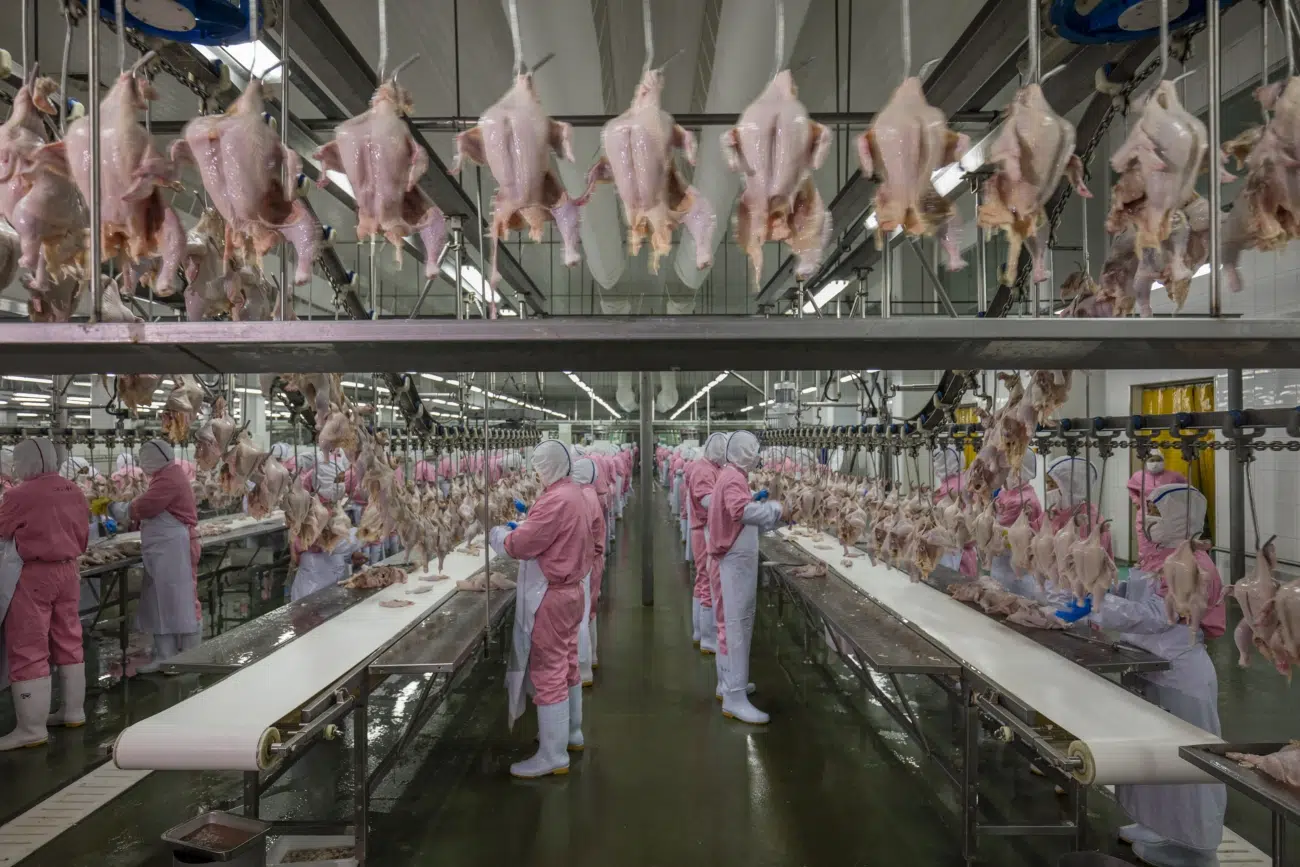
(940, 293)
(1216, 186)
(981, 262)
(647, 498)
(887, 282)
(92, 110)
(1236, 490)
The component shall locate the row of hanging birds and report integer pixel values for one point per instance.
(1158, 222)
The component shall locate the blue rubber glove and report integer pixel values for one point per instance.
(996, 492)
(520, 507)
(760, 496)
(512, 525)
(1075, 612)
(110, 526)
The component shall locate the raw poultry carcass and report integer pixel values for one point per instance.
(320, 390)
(1020, 537)
(1032, 153)
(1048, 391)
(984, 532)
(1188, 584)
(811, 570)
(1042, 555)
(1094, 569)
(181, 408)
(907, 143)
(928, 545)
(243, 164)
(1034, 617)
(514, 139)
(476, 583)
(849, 528)
(384, 164)
(305, 516)
(337, 528)
(1258, 626)
(341, 431)
(639, 146)
(239, 462)
(376, 577)
(211, 439)
(1286, 608)
(1063, 554)
(136, 390)
(114, 308)
(777, 147)
(270, 483)
(1127, 278)
(1078, 284)
(1266, 215)
(136, 224)
(1283, 765)
(1158, 164)
(37, 195)
(375, 526)
(50, 299)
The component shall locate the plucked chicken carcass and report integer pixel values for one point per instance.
(1187, 584)
(240, 462)
(384, 164)
(1286, 608)
(305, 516)
(114, 308)
(1063, 553)
(984, 530)
(1094, 569)
(907, 143)
(811, 570)
(37, 195)
(1034, 617)
(1157, 164)
(1020, 536)
(1266, 215)
(476, 583)
(50, 299)
(211, 439)
(270, 483)
(135, 390)
(1042, 555)
(1032, 153)
(639, 146)
(136, 224)
(181, 408)
(1259, 627)
(321, 390)
(341, 431)
(376, 577)
(1048, 391)
(777, 147)
(927, 547)
(1283, 765)
(243, 162)
(514, 139)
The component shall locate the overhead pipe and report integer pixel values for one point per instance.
(740, 72)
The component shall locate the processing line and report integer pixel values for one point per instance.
(298, 672)
(1096, 731)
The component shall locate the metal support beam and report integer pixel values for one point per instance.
(928, 267)
(647, 492)
(1236, 490)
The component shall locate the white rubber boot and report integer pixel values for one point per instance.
(552, 744)
(722, 678)
(735, 691)
(163, 649)
(708, 630)
(595, 655)
(31, 707)
(73, 713)
(696, 632)
(576, 742)
(182, 643)
(1137, 833)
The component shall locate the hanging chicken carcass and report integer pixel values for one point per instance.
(182, 406)
(1034, 150)
(243, 164)
(638, 160)
(384, 163)
(514, 139)
(776, 146)
(37, 195)
(907, 143)
(136, 225)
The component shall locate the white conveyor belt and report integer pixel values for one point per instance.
(230, 726)
(1121, 737)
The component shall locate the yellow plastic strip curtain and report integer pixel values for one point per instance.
(1186, 397)
(967, 415)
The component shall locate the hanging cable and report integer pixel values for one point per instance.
(1164, 39)
(383, 38)
(649, 37)
(907, 38)
(1035, 48)
(515, 39)
(121, 36)
(70, 24)
(780, 37)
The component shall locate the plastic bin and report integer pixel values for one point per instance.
(284, 846)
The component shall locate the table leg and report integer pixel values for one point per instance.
(969, 775)
(361, 770)
(1279, 840)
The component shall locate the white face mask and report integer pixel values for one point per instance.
(1156, 465)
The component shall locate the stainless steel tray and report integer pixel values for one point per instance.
(256, 829)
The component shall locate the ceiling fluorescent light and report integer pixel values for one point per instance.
(255, 58)
(591, 392)
(36, 379)
(470, 279)
(699, 394)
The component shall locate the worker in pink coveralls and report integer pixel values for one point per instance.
(45, 522)
(555, 551)
(1152, 475)
(169, 543)
(700, 477)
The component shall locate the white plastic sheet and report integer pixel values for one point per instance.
(226, 727)
(1121, 737)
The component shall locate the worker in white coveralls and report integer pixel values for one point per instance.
(736, 517)
(1174, 825)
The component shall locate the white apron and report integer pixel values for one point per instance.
(11, 567)
(530, 588)
(686, 525)
(1188, 814)
(738, 577)
(584, 633)
(167, 598)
